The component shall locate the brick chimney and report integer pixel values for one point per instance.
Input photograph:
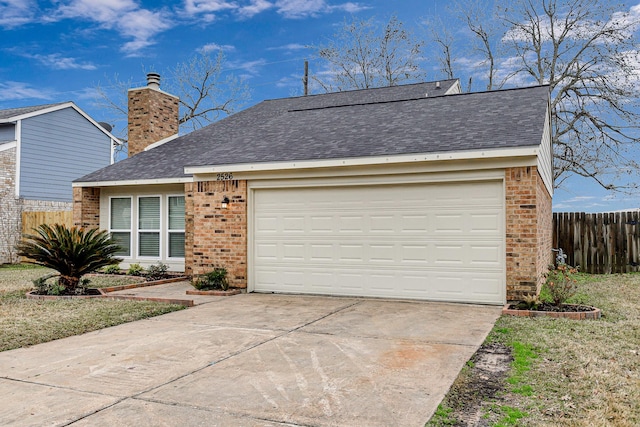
(153, 115)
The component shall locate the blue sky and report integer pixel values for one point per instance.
(60, 50)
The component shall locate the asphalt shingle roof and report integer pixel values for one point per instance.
(15, 112)
(374, 122)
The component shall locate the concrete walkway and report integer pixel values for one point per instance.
(250, 360)
(171, 291)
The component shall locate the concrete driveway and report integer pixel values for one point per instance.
(250, 360)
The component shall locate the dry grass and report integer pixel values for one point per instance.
(27, 322)
(582, 373)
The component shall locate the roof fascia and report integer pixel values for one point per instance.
(58, 107)
(37, 112)
(366, 161)
(132, 182)
(8, 145)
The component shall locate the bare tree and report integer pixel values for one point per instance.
(206, 93)
(587, 52)
(443, 38)
(360, 56)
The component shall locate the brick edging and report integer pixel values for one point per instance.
(185, 302)
(31, 295)
(573, 315)
(217, 293)
(142, 284)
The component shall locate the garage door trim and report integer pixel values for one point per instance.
(491, 175)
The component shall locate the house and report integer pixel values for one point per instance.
(42, 149)
(414, 191)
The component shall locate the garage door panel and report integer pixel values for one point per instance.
(382, 223)
(293, 224)
(425, 241)
(351, 253)
(484, 223)
(485, 255)
(321, 252)
(415, 254)
(414, 224)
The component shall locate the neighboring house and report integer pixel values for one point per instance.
(42, 149)
(414, 191)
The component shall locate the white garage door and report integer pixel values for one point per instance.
(421, 241)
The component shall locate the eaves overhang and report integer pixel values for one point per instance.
(504, 153)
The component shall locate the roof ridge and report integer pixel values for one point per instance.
(389, 101)
(362, 89)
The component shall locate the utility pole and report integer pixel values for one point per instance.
(305, 79)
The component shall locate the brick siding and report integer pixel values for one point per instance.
(545, 232)
(10, 209)
(153, 115)
(86, 207)
(216, 237)
(528, 233)
(45, 206)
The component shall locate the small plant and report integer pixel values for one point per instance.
(135, 270)
(44, 286)
(112, 269)
(157, 271)
(530, 302)
(216, 279)
(560, 284)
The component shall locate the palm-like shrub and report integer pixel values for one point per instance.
(72, 252)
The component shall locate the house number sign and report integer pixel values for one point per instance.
(226, 176)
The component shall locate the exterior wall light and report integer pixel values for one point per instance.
(225, 203)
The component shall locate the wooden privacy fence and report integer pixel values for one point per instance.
(599, 243)
(31, 220)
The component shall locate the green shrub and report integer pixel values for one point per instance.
(216, 279)
(72, 252)
(45, 286)
(112, 269)
(560, 284)
(157, 271)
(135, 270)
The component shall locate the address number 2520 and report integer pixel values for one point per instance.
(226, 176)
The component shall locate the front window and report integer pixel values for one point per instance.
(149, 227)
(120, 224)
(176, 226)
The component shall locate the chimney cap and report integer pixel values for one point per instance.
(153, 80)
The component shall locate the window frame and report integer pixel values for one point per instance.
(146, 230)
(123, 230)
(169, 231)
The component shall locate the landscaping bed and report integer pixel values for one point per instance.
(559, 372)
(26, 322)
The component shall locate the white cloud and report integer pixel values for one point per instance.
(295, 9)
(123, 16)
(290, 46)
(349, 7)
(215, 47)
(58, 62)
(194, 7)
(207, 10)
(255, 7)
(14, 13)
(11, 91)
(251, 68)
(142, 25)
(300, 8)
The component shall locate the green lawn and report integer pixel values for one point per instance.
(567, 372)
(26, 322)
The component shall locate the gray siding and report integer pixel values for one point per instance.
(57, 148)
(7, 132)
